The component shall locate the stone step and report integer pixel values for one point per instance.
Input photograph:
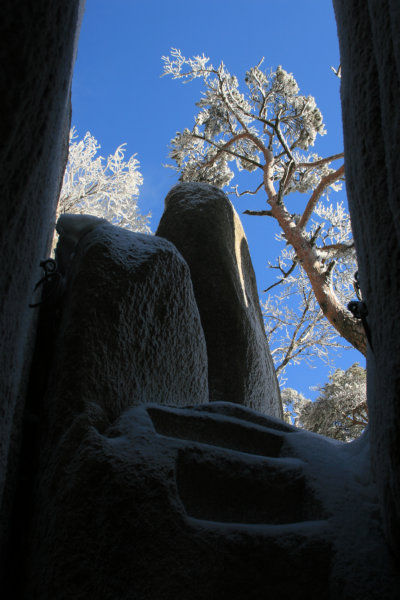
(244, 413)
(231, 470)
(216, 430)
(230, 487)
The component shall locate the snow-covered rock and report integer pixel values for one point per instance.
(215, 501)
(71, 228)
(130, 330)
(204, 226)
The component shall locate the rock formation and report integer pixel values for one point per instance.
(215, 501)
(164, 499)
(369, 36)
(204, 226)
(37, 53)
(147, 501)
(130, 330)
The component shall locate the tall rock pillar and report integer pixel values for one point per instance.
(204, 226)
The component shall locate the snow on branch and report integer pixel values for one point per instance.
(173, 65)
(271, 126)
(106, 188)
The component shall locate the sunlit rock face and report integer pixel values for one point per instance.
(369, 36)
(204, 226)
(37, 49)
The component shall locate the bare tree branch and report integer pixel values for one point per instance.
(317, 193)
(284, 273)
(336, 250)
(322, 161)
(258, 213)
(225, 148)
(250, 192)
(293, 342)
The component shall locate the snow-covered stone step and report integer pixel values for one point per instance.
(229, 469)
(217, 430)
(230, 487)
(238, 411)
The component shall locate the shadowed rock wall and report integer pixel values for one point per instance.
(369, 36)
(38, 43)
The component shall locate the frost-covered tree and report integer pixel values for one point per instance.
(294, 322)
(340, 411)
(296, 327)
(269, 130)
(104, 188)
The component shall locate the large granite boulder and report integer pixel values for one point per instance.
(369, 36)
(204, 226)
(130, 330)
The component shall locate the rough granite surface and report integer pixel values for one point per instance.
(130, 330)
(370, 88)
(203, 224)
(37, 53)
(215, 501)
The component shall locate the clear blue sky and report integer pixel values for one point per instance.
(118, 94)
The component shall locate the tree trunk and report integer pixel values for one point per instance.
(338, 315)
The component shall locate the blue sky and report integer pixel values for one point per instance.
(118, 94)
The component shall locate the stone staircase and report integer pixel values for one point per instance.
(233, 470)
(208, 502)
(247, 501)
